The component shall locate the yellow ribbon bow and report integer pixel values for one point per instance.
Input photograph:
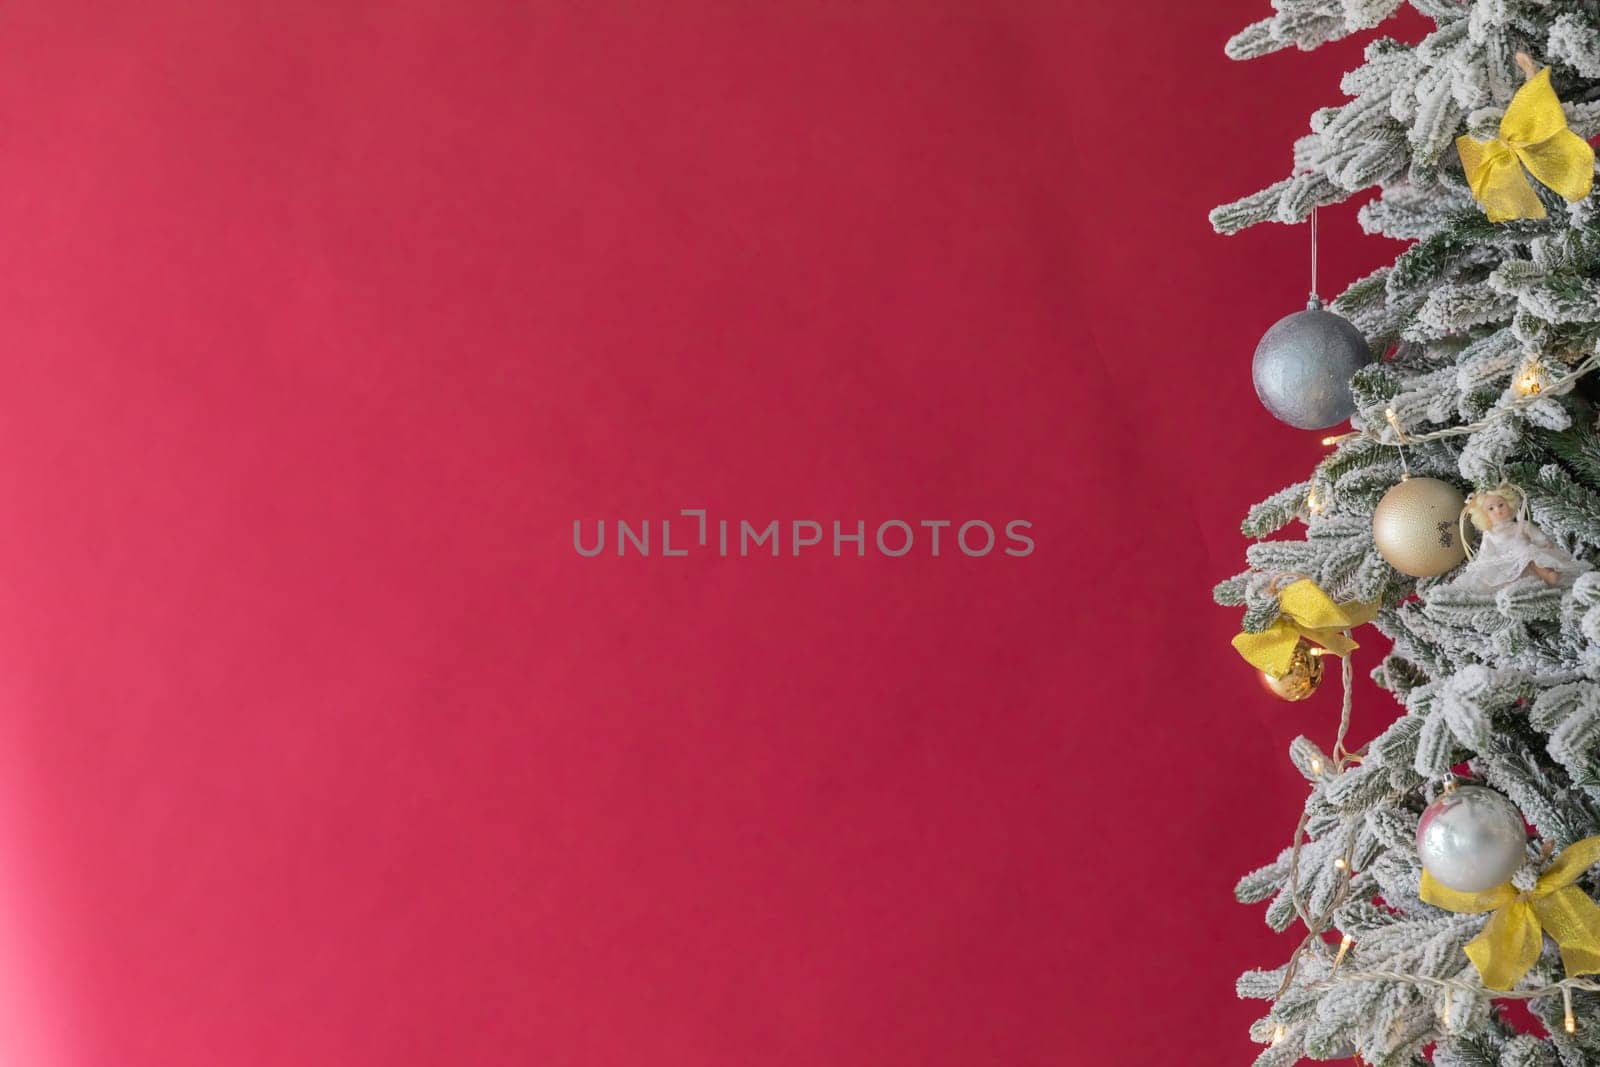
(1533, 134)
(1514, 935)
(1308, 612)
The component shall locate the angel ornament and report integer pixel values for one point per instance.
(1512, 546)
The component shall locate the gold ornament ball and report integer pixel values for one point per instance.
(1417, 527)
(1300, 680)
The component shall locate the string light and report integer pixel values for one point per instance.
(1471, 989)
(1569, 1023)
(1316, 765)
(1278, 1034)
(1444, 1016)
(1342, 864)
(1314, 502)
(1530, 380)
(1344, 947)
(1589, 364)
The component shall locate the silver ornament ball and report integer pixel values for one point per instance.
(1303, 365)
(1471, 839)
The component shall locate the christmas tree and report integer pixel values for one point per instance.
(1444, 870)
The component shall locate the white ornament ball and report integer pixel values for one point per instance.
(1471, 839)
(1417, 527)
(1302, 368)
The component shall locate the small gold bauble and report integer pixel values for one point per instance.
(1417, 527)
(1300, 680)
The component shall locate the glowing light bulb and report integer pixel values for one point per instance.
(1394, 424)
(1530, 380)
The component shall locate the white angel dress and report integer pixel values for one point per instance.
(1507, 551)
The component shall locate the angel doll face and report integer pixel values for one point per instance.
(1498, 509)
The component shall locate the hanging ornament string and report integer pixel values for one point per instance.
(1315, 301)
(1340, 753)
(1342, 758)
(1400, 440)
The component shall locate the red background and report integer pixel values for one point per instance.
(323, 322)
